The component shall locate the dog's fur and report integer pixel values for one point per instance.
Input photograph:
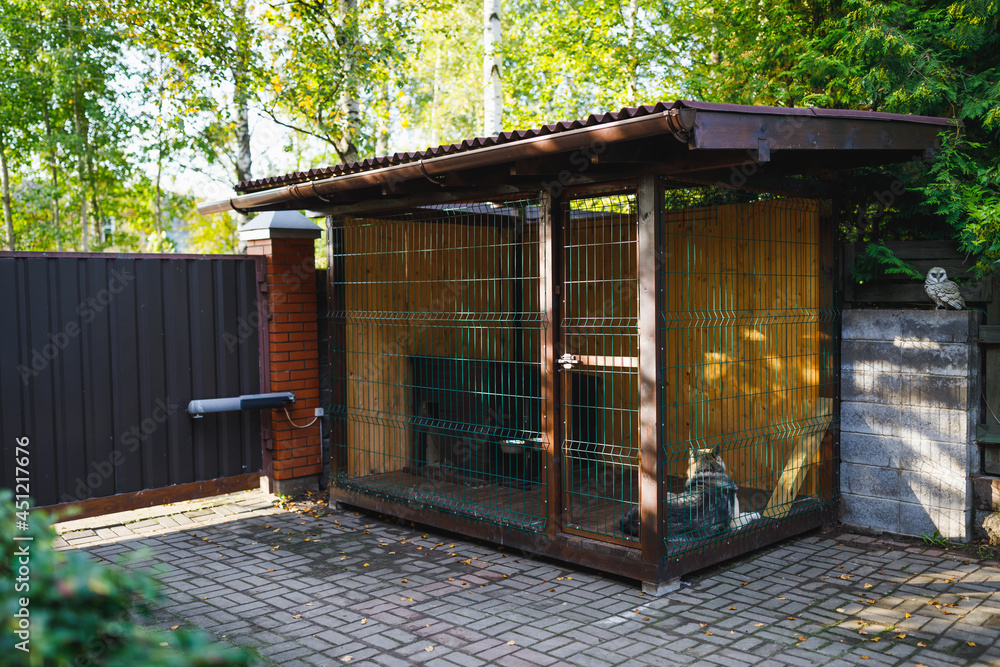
(708, 506)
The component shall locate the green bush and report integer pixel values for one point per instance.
(78, 610)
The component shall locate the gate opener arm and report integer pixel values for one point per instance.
(199, 407)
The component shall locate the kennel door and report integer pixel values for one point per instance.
(599, 365)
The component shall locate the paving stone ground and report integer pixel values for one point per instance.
(304, 589)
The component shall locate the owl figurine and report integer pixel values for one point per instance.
(942, 291)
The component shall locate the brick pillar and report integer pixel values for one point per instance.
(292, 461)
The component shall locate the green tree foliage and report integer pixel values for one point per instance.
(336, 70)
(79, 611)
(935, 58)
(567, 59)
(104, 101)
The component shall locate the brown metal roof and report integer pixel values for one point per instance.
(519, 135)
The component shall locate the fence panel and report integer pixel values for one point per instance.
(99, 356)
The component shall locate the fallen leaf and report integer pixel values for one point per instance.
(645, 618)
(297, 616)
(510, 643)
(744, 583)
(364, 621)
(791, 618)
(174, 627)
(732, 608)
(971, 643)
(862, 632)
(802, 639)
(875, 639)
(900, 636)
(782, 598)
(865, 657)
(704, 625)
(758, 625)
(346, 658)
(709, 633)
(343, 558)
(908, 614)
(922, 644)
(429, 649)
(869, 586)
(365, 565)
(405, 581)
(271, 570)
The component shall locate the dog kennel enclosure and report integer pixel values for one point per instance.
(612, 341)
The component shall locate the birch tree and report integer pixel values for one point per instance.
(492, 68)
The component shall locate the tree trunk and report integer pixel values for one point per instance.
(632, 83)
(8, 217)
(436, 99)
(492, 72)
(384, 107)
(53, 163)
(350, 108)
(159, 197)
(241, 97)
(79, 124)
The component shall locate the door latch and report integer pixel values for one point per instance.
(568, 361)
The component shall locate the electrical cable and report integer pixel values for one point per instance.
(297, 425)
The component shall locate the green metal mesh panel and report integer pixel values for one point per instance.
(748, 363)
(442, 344)
(600, 392)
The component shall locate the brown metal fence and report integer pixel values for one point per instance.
(99, 356)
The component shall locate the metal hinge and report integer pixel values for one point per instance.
(262, 276)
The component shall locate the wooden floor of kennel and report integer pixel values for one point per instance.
(646, 151)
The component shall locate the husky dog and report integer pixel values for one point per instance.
(708, 506)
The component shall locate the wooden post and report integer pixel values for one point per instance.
(550, 251)
(337, 303)
(649, 201)
(991, 384)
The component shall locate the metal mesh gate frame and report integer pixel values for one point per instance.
(600, 394)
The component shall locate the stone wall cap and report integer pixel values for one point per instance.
(279, 225)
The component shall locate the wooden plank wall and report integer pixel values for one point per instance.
(743, 346)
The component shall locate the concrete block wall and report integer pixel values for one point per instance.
(909, 409)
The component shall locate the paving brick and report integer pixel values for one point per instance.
(589, 620)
